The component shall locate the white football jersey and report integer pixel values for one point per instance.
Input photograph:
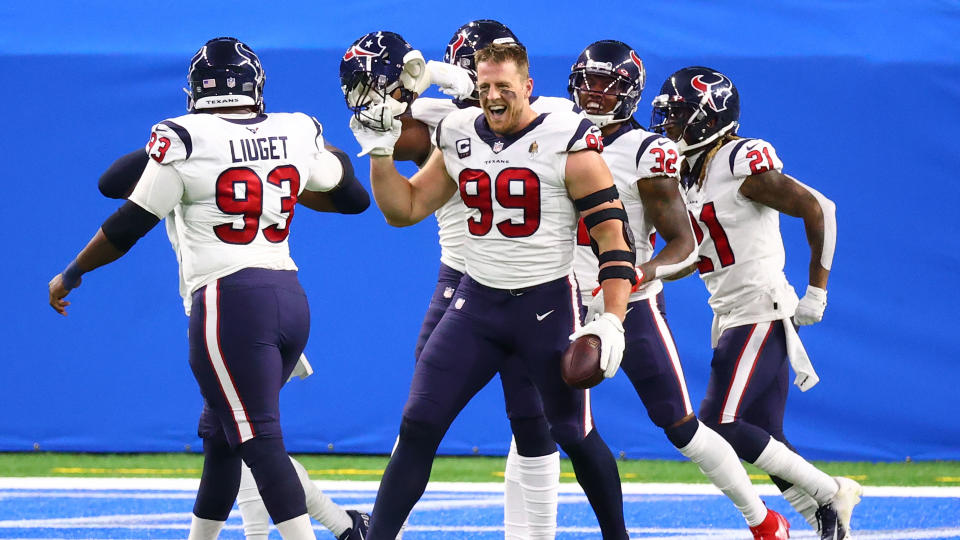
(740, 248)
(173, 234)
(451, 229)
(632, 155)
(233, 182)
(519, 217)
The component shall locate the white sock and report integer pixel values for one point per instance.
(804, 504)
(778, 460)
(319, 506)
(256, 520)
(204, 529)
(719, 463)
(514, 512)
(540, 481)
(297, 528)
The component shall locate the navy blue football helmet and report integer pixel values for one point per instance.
(696, 106)
(608, 67)
(372, 72)
(469, 39)
(225, 72)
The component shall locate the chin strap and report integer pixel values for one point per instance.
(684, 147)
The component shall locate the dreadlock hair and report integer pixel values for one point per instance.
(700, 167)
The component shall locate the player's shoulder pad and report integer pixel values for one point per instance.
(170, 141)
(457, 124)
(431, 111)
(752, 156)
(657, 156)
(585, 134)
(543, 104)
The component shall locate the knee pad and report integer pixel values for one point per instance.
(258, 449)
(664, 413)
(566, 434)
(216, 445)
(748, 440)
(681, 435)
(532, 436)
(420, 433)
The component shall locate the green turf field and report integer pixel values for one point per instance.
(446, 469)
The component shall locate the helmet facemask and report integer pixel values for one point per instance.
(602, 83)
(364, 90)
(688, 124)
(381, 68)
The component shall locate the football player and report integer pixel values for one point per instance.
(606, 82)
(518, 173)
(736, 191)
(532, 474)
(349, 197)
(234, 197)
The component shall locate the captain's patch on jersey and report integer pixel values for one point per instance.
(463, 148)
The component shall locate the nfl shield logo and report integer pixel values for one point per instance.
(497, 146)
(231, 82)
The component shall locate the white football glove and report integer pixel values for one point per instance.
(372, 141)
(452, 80)
(811, 306)
(415, 76)
(609, 329)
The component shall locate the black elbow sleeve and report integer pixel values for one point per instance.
(127, 225)
(118, 181)
(349, 197)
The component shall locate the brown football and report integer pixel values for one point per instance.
(580, 366)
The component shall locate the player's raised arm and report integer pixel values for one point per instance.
(789, 196)
(378, 90)
(406, 202)
(347, 197)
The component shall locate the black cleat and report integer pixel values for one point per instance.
(830, 526)
(358, 531)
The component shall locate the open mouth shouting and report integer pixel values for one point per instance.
(497, 111)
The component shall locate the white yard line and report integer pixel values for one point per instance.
(631, 488)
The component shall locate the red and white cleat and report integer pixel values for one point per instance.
(774, 527)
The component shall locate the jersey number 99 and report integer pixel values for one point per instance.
(475, 190)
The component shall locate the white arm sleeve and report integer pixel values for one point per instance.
(325, 172)
(829, 224)
(159, 189)
(667, 270)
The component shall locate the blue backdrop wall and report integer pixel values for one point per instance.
(859, 98)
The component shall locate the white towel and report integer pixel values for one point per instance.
(806, 378)
(303, 369)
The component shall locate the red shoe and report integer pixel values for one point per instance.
(774, 527)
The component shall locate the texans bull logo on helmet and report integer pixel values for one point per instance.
(454, 47)
(707, 93)
(366, 50)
